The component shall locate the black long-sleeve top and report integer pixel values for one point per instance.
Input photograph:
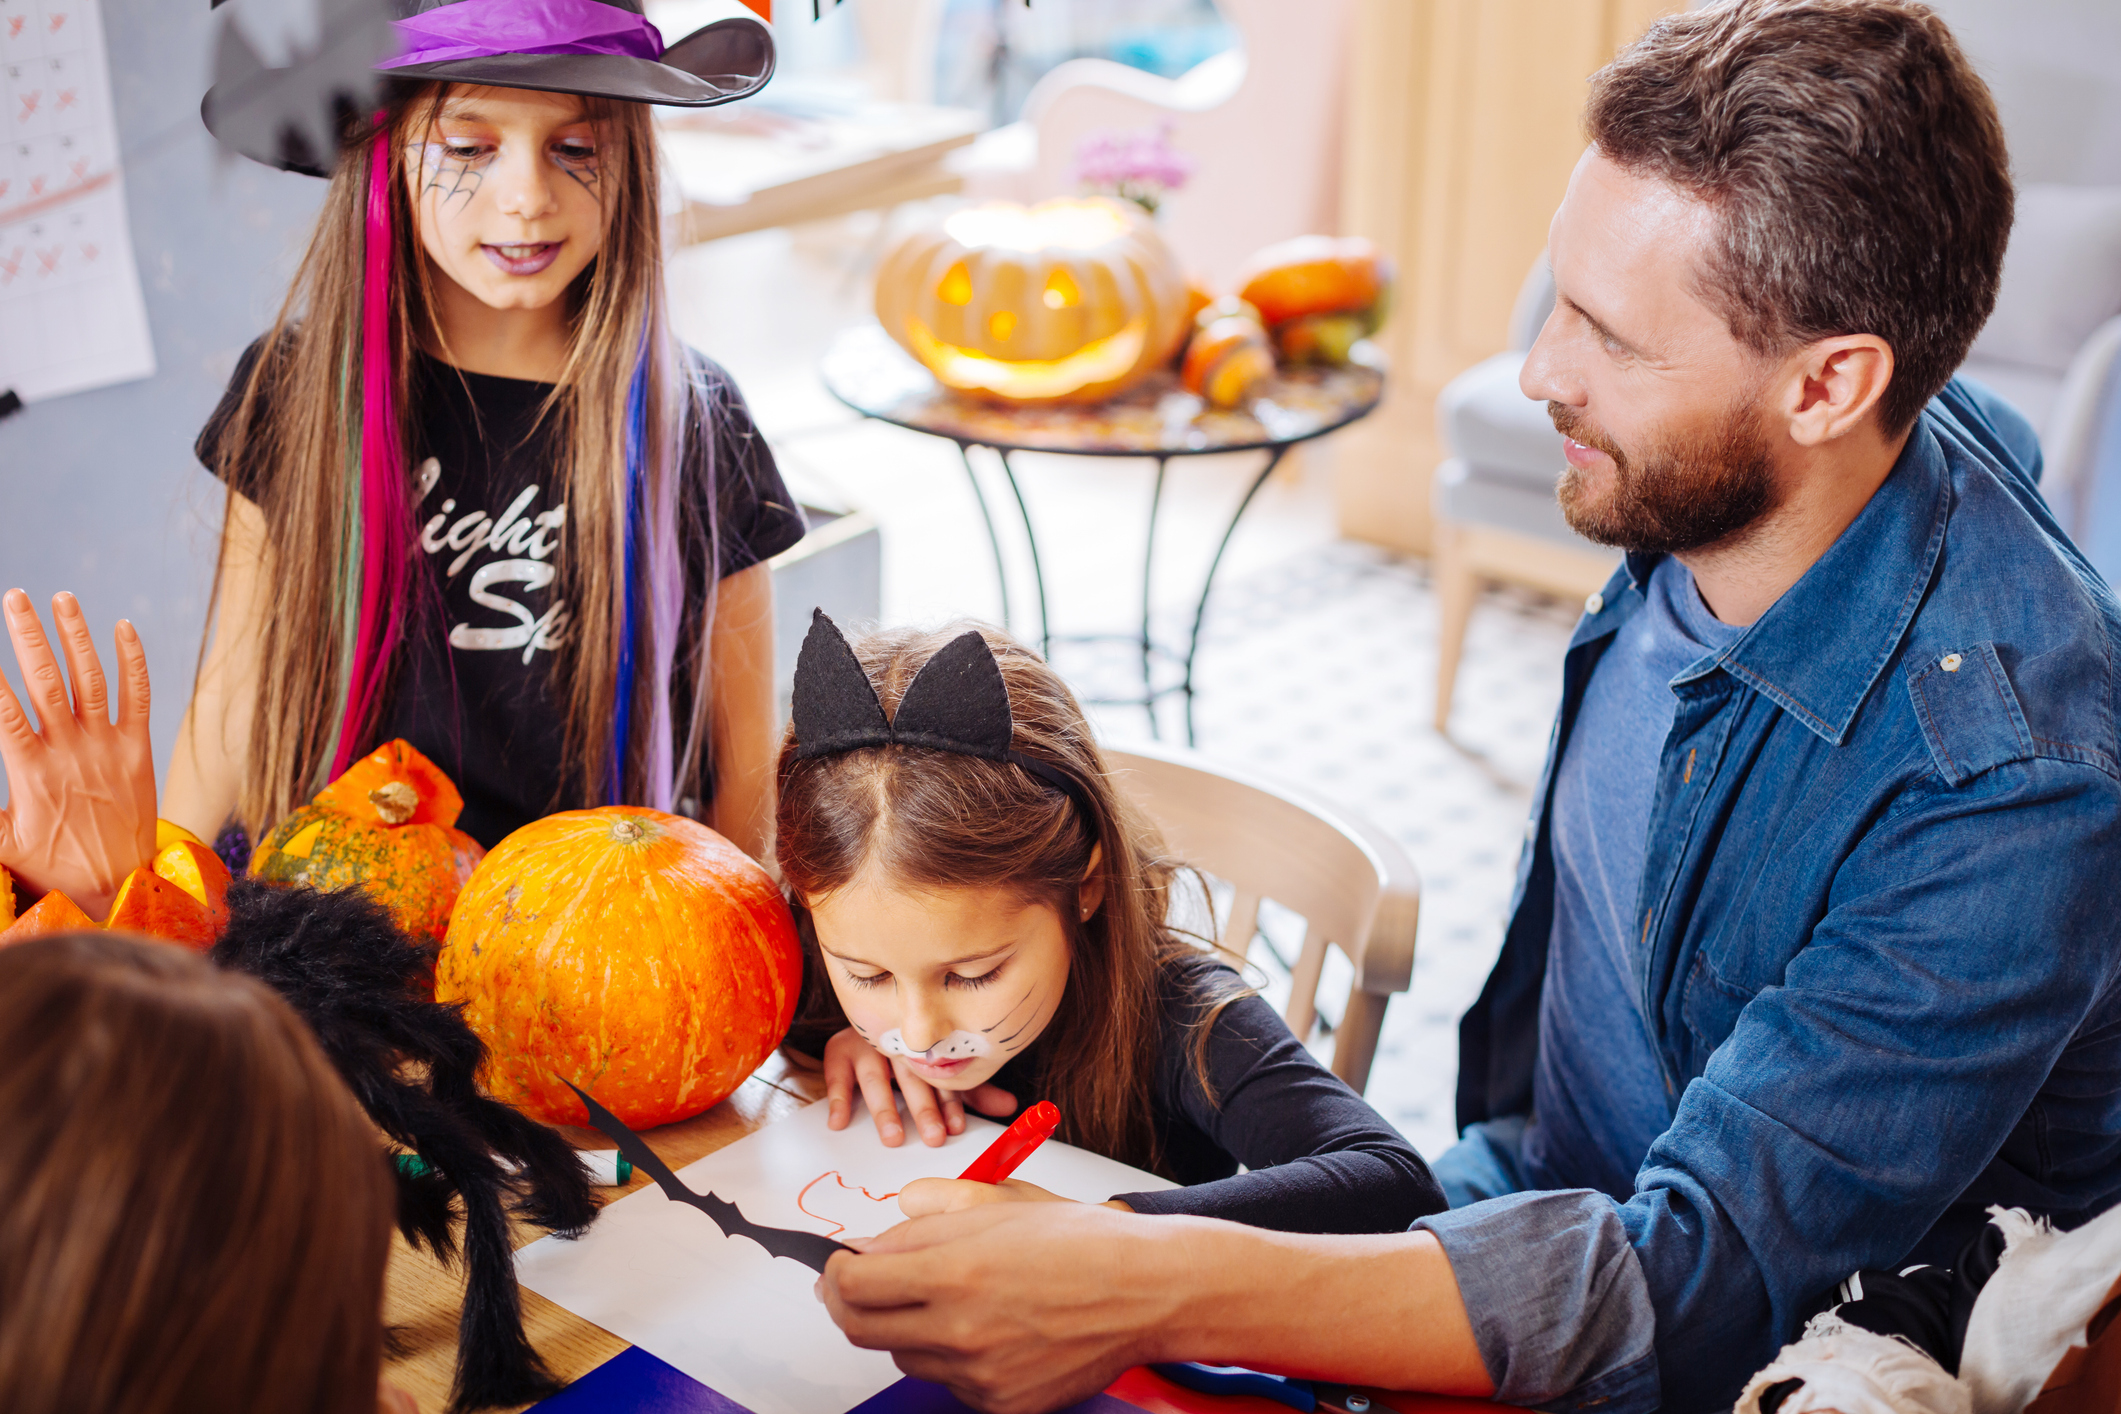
(1319, 1158)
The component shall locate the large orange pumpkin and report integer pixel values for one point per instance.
(1066, 301)
(639, 955)
(386, 827)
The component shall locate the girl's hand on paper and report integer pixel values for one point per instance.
(81, 790)
(853, 1066)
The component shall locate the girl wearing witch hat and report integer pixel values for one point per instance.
(480, 497)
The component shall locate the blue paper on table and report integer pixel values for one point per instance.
(911, 1396)
(635, 1382)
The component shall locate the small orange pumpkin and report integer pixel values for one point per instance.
(386, 827)
(1314, 275)
(1229, 357)
(1067, 301)
(639, 955)
(7, 899)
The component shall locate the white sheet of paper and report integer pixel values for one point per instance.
(661, 1275)
(71, 315)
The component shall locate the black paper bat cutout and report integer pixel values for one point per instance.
(809, 1248)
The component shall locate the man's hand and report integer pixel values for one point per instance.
(926, 1196)
(1016, 1307)
(1030, 1306)
(81, 791)
(852, 1064)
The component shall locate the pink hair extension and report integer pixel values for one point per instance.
(384, 524)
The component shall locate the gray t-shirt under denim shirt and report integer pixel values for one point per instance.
(1598, 1093)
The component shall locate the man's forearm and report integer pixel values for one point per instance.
(1382, 1310)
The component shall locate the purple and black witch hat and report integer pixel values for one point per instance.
(289, 117)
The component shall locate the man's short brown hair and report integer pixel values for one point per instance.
(1854, 162)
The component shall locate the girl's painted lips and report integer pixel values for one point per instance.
(943, 1068)
(522, 259)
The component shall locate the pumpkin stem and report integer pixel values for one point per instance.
(395, 801)
(626, 830)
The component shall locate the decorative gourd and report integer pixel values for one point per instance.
(1318, 294)
(386, 827)
(1067, 301)
(1229, 357)
(148, 903)
(54, 913)
(178, 897)
(637, 954)
(7, 899)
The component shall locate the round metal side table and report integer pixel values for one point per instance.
(1156, 420)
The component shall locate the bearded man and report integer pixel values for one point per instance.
(1814, 953)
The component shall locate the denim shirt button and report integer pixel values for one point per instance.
(1593, 604)
(1950, 662)
(1531, 829)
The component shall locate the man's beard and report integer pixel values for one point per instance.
(1690, 490)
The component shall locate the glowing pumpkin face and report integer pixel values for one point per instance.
(1066, 301)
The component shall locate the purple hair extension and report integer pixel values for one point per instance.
(383, 528)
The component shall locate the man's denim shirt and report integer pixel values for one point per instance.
(1881, 933)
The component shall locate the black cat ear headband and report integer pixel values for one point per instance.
(957, 702)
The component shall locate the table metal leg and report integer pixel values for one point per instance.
(1207, 585)
(1156, 501)
(1001, 570)
(1038, 573)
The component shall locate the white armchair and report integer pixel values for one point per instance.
(1263, 120)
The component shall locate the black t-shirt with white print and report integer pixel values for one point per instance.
(474, 692)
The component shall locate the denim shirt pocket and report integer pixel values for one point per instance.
(1710, 1009)
(1970, 715)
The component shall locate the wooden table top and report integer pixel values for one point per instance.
(422, 1299)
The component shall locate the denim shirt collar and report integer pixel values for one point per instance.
(1818, 649)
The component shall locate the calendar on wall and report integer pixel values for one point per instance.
(71, 314)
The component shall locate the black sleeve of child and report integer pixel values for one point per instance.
(240, 472)
(756, 516)
(1321, 1159)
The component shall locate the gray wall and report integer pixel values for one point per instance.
(99, 492)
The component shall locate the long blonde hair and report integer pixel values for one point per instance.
(327, 451)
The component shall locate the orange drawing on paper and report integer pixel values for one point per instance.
(802, 1198)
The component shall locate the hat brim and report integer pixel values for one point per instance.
(720, 63)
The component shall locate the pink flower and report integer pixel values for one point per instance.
(1139, 165)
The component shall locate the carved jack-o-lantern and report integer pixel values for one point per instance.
(1066, 301)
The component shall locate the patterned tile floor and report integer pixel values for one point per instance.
(1321, 670)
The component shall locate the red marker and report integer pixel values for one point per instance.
(1032, 1128)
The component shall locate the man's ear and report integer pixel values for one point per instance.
(1834, 385)
(1090, 894)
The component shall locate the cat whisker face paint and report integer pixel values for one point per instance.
(958, 1045)
(948, 982)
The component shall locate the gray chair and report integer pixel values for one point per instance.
(2051, 345)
